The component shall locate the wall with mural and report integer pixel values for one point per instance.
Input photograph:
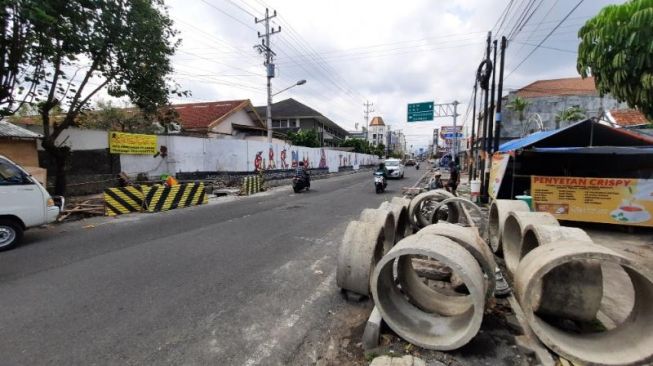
(192, 154)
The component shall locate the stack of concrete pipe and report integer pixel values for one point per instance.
(422, 207)
(428, 317)
(557, 273)
(367, 240)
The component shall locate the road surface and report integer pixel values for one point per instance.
(240, 282)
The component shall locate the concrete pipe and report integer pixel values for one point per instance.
(417, 205)
(468, 238)
(513, 232)
(631, 342)
(385, 219)
(419, 327)
(400, 213)
(360, 250)
(499, 211)
(463, 204)
(573, 290)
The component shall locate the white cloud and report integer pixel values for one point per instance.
(389, 52)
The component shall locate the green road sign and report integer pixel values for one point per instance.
(420, 112)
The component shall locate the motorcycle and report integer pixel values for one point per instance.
(417, 166)
(379, 182)
(299, 183)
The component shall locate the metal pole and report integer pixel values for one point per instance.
(499, 117)
(454, 149)
(490, 123)
(472, 171)
(485, 131)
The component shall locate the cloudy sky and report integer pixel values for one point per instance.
(387, 52)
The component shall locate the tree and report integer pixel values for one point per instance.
(306, 138)
(379, 150)
(21, 68)
(106, 116)
(519, 105)
(571, 114)
(616, 48)
(82, 47)
(360, 146)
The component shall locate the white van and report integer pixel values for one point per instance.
(24, 203)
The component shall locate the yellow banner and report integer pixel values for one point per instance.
(131, 143)
(497, 171)
(626, 201)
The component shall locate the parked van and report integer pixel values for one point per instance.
(24, 203)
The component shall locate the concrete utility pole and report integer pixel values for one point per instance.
(366, 113)
(455, 131)
(264, 48)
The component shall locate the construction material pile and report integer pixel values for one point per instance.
(430, 273)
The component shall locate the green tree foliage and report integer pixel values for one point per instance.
(306, 138)
(519, 105)
(359, 145)
(571, 114)
(107, 116)
(379, 150)
(82, 47)
(616, 48)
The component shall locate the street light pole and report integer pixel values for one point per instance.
(300, 82)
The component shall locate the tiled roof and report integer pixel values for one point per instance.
(554, 87)
(200, 116)
(628, 117)
(377, 121)
(291, 108)
(11, 130)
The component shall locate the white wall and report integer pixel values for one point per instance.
(82, 139)
(191, 154)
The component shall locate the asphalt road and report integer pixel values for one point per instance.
(239, 282)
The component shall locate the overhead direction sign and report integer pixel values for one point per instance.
(420, 112)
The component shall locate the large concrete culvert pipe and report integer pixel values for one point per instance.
(385, 219)
(499, 210)
(400, 213)
(361, 248)
(573, 290)
(513, 231)
(630, 343)
(417, 205)
(425, 329)
(461, 203)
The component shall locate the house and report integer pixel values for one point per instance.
(376, 131)
(291, 115)
(546, 98)
(233, 119)
(20, 145)
(625, 118)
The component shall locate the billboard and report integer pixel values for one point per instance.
(626, 201)
(131, 143)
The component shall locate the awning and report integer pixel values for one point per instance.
(620, 150)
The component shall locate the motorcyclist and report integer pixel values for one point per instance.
(302, 172)
(382, 169)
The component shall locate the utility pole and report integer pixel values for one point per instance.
(497, 134)
(264, 48)
(366, 113)
(472, 166)
(484, 183)
(455, 131)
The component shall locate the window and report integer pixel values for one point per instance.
(10, 175)
(276, 124)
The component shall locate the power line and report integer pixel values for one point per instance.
(544, 40)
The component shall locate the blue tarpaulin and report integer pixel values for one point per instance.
(526, 141)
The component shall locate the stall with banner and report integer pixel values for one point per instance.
(585, 172)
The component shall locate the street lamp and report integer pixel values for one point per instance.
(269, 109)
(300, 82)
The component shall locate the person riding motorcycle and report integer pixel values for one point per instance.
(302, 172)
(382, 169)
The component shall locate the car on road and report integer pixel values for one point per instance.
(410, 162)
(25, 203)
(395, 168)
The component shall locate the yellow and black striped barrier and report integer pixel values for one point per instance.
(122, 200)
(163, 198)
(252, 184)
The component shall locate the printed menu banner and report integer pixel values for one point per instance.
(131, 143)
(626, 201)
(497, 171)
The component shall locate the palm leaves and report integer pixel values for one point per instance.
(571, 114)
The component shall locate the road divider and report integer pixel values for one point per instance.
(123, 200)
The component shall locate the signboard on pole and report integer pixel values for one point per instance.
(131, 143)
(420, 112)
(450, 133)
(624, 201)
